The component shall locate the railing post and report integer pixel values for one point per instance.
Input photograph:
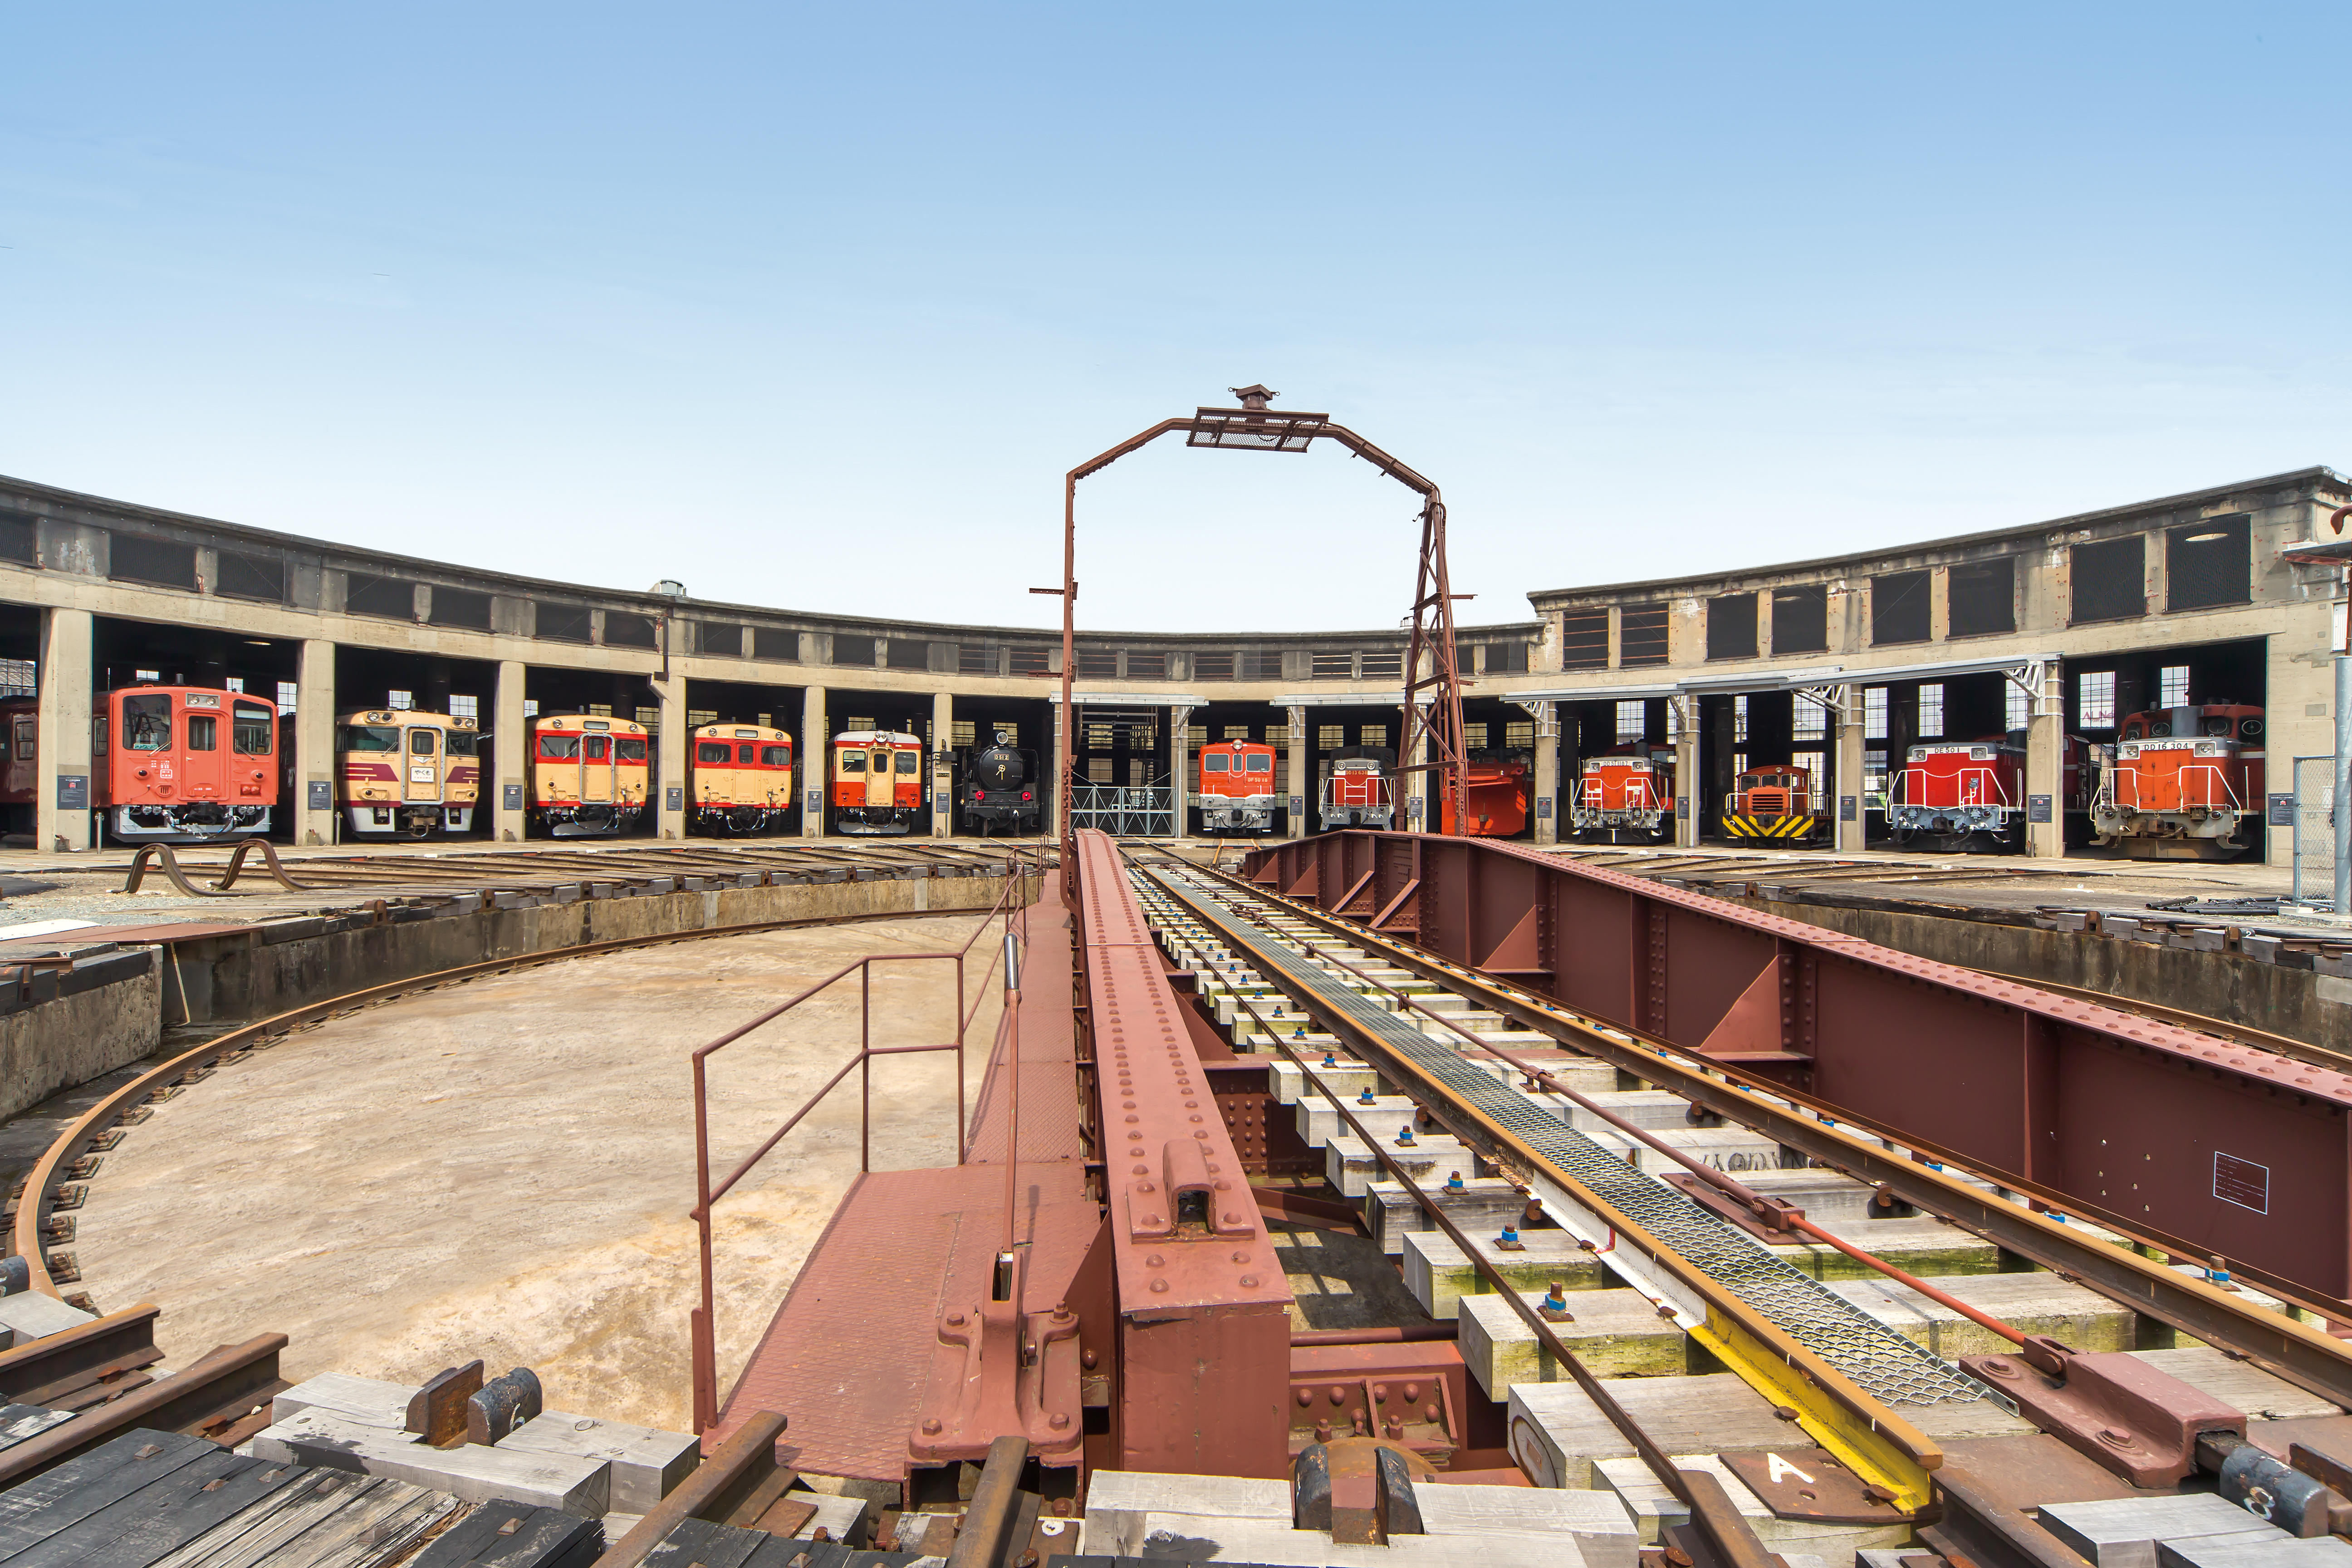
(705, 1339)
(959, 1059)
(865, 1065)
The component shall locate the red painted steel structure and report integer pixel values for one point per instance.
(1204, 1329)
(2207, 1148)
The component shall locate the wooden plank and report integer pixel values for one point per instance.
(545, 1538)
(698, 1540)
(67, 1494)
(281, 1530)
(467, 1538)
(18, 1421)
(163, 1515)
(380, 1528)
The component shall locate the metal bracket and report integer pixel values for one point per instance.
(2140, 1423)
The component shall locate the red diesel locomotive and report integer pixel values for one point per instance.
(1237, 787)
(1624, 796)
(1955, 795)
(2182, 783)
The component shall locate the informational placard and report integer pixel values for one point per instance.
(1849, 808)
(2037, 808)
(1412, 805)
(815, 801)
(1296, 805)
(1543, 806)
(1681, 807)
(320, 794)
(73, 792)
(510, 796)
(2282, 812)
(674, 798)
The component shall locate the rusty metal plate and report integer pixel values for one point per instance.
(1810, 1484)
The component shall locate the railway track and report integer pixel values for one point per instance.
(1482, 1060)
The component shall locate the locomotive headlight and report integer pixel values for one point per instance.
(2207, 749)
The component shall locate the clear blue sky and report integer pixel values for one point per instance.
(813, 306)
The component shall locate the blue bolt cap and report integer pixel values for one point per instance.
(1365, 1098)
(1555, 1300)
(1510, 1233)
(1453, 1180)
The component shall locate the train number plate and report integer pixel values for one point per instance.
(420, 775)
(2241, 1181)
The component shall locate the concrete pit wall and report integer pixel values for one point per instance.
(61, 1028)
(292, 963)
(2218, 970)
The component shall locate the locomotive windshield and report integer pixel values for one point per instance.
(204, 732)
(424, 743)
(776, 756)
(909, 762)
(464, 743)
(630, 749)
(253, 730)
(852, 762)
(146, 723)
(378, 738)
(712, 752)
(559, 748)
(1215, 762)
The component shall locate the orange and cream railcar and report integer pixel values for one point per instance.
(877, 781)
(588, 776)
(406, 774)
(183, 762)
(740, 778)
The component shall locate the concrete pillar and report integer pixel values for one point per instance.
(942, 770)
(1547, 809)
(1180, 769)
(314, 744)
(62, 787)
(670, 774)
(503, 785)
(1302, 777)
(1416, 790)
(1690, 787)
(2045, 762)
(815, 758)
(1847, 775)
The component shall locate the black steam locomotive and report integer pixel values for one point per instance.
(999, 790)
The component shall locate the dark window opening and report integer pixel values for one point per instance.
(1641, 636)
(1098, 663)
(1383, 666)
(20, 537)
(781, 644)
(1584, 639)
(2109, 579)
(1801, 618)
(460, 608)
(1507, 658)
(561, 623)
(1258, 664)
(621, 630)
(1898, 607)
(1147, 666)
(2209, 563)
(1983, 598)
(975, 659)
(848, 649)
(389, 598)
(717, 639)
(1731, 626)
(133, 558)
(1331, 667)
(259, 577)
(1213, 666)
(898, 653)
(1033, 662)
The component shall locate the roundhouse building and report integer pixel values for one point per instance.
(2057, 629)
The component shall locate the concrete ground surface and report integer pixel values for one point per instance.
(504, 1168)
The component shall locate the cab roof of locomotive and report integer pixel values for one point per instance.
(875, 738)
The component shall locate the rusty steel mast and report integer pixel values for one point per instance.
(1256, 427)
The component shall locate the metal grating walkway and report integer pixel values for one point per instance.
(1891, 1368)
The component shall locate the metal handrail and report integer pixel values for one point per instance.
(1980, 772)
(701, 1327)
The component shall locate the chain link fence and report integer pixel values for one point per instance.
(2314, 831)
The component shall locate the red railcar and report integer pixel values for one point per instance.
(183, 763)
(1237, 787)
(1970, 795)
(1624, 796)
(2183, 784)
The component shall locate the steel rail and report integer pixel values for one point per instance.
(2304, 1355)
(25, 1237)
(1712, 1510)
(1883, 1442)
(1763, 1208)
